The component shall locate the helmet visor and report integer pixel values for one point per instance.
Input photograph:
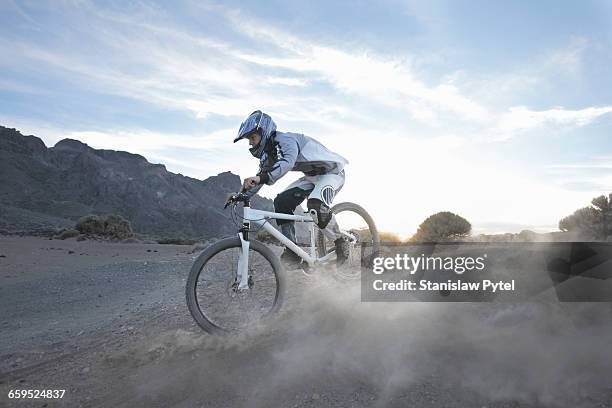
(250, 125)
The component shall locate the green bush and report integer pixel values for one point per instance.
(593, 222)
(118, 227)
(111, 226)
(91, 225)
(442, 226)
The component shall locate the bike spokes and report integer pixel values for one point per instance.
(236, 307)
(359, 231)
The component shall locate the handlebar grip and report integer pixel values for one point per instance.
(234, 198)
(229, 200)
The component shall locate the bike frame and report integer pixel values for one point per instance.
(261, 219)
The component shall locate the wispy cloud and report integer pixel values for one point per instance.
(178, 69)
(386, 80)
(520, 118)
(579, 166)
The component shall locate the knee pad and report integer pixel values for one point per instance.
(323, 212)
(287, 201)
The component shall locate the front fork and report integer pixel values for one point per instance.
(242, 274)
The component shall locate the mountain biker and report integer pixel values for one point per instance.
(281, 152)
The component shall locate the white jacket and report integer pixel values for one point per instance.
(297, 152)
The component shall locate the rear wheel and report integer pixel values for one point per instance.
(213, 297)
(359, 228)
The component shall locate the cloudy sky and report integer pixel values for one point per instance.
(498, 111)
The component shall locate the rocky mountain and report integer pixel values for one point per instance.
(43, 189)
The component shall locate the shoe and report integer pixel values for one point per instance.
(290, 258)
(342, 251)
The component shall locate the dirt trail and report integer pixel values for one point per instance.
(108, 323)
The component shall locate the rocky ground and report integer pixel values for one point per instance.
(108, 323)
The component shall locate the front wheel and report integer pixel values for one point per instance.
(359, 228)
(213, 297)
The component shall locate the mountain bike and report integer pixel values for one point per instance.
(239, 280)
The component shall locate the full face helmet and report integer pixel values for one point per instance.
(257, 122)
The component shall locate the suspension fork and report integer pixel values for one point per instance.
(242, 274)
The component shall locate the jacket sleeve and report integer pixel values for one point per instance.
(287, 151)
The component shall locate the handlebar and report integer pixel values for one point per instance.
(237, 198)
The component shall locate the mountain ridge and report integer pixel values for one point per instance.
(72, 179)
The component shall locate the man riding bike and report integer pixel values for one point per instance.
(281, 152)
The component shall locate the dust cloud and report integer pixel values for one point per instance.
(329, 349)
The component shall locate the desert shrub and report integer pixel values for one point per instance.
(111, 226)
(90, 224)
(117, 227)
(442, 226)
